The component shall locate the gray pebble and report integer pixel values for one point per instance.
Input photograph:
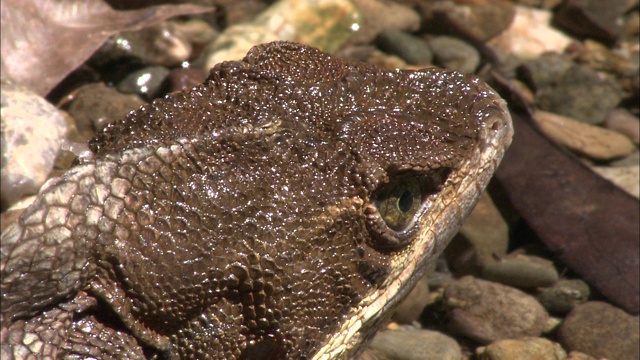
(485, 311)
(380, 15)
(572, 90)
(410, 308)
(602, 331)
(159, 44)
(564, 296)
(484, 236)
(453, 53)
(520, 270)
(527, 348)
(414, 345)
(146, 82)
(410, 48)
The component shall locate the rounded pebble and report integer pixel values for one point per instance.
(414, 345)
(521, 271)
(485, 311)
(410, 48)
(32, 132)
(601, 330)
(564, 295)
(454, 53)
(147, 82)
(528, 348)
(410, 308)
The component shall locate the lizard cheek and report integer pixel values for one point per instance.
(393, 216)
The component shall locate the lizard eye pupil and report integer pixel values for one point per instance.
(399, 201)
(406, 201)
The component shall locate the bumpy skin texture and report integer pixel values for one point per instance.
(240, 219)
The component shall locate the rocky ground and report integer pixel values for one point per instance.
(505, 288)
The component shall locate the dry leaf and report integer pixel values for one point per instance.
(44, 40)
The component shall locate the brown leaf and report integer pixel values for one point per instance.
(44, 40)
(587, 221)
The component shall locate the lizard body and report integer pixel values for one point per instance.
(279, 210)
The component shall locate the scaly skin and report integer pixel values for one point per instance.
(250, 216)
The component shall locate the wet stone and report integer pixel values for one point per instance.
(410, 48)
(564, 295)
(601, 330)
(485, 311)
(414, 345)
(453, 53)
(378, 16)
(148, 82)
(528, 348)
(520, 270)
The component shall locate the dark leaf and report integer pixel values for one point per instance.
(587, 221)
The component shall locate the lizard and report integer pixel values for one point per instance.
(279, 210)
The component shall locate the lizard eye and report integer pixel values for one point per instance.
(398, 201)
(396, 208)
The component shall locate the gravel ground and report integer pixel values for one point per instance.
(511, 284)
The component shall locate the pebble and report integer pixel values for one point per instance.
(148, 82)
(525, 271)
(391, 62)
(480, 19)
(414, 345)
(378, 16)
(592, 141)
(626, 178)
(334, 22)
(32, 132)
(544, 71)
(602, 331)
(412, 306)
(527, 348)
(624, 122)
(159, 44)
(236, 12)
(197, 32)
(592, 18)
(409, 48)
(577, 355)
(617, 61)
(483, 238)
(453, 53)
(581, 93)
(485, 311)
(96, 105)
(531, 35)
(564, 295)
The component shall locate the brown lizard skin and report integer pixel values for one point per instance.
(280, 210)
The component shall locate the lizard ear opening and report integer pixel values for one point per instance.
(397, 206)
